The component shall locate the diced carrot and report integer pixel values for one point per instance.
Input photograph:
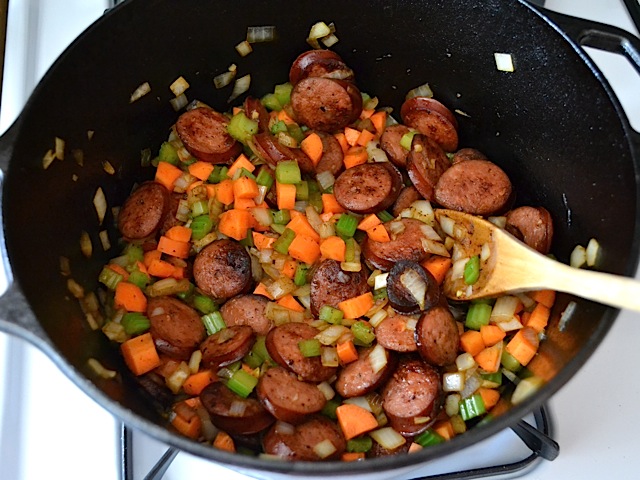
(539, 317)
(193, 185)
(163, 269)
(284, 116)
(444, 428)
(355, 156)
(130, 297)
(291, 303)
(352, 456)
(224, 192)
(235, 223)
(489, 358)
(415, 447)
(379, 120)
(355, 420)
(491, 334)
(262, 241)
(437, 266)
(366, 113)
(471, 342)
(167, 174)
(357, 306)
(326, 217)
(333, 247)
(305, 249)
(211, 190)
(261, 289)
(240, 162)
(524, 345)
(201, 170)
(312, 146)
(189, 428)
(289, 268)
(236, 110)
(545, 297)
(179, 233)
(351, 135)
(244, 203)
(119, 270)
(286, 196)
(174, 247)
(245, 187)
(490, 396)
(330, 204)
(369, 221)
(342, 140)
(378, 234)
(195, 383)
(140, 354)
(365, 137)
(301, 226)
(347, 352)
(150, 256)
(223, 441)
(141, 267)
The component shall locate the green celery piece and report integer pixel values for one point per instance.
(201, 226)
(110, 278)
(310, 347)
(346, 225)
(429, 438)
(281, 245)
(478, 315)
(300, 277)
(331, 315)
(360, 444)
(204, 304)
(288, 172)
(168, 154)
(362, 333)
(213, 322)
(242, 383)
(271, 102)
(242, 128)
(472, 407)
(135, 323)
(472, 270)
(283, 93)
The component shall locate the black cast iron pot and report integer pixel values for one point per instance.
(553, 125)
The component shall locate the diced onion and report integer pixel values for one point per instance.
(331, 335)
(318, 30)
(500, 222)
(485, 252)
(510, 325)
(465, 361)
(265, 33)
(244, 48)
(224, 79)
(578, 257)
(75, 288)
(178, 377)
(283, 428)
(380, 281)
(504, 62)
(453, 382)
(566, 315)
(324, 448)
(86, 247)
(504, 309)
(329, 357)
(194, 361)
(447, 225)
(59, 148)
(330, 40)
(378, 317)
(472, 383)
(100, 204)
(237, 408)
(388, 438)
(48, 158)
(179, 102)
(457, 269)
(361, 402)
(452, 404)
(420, 91)
(262, 216)
(325, 179)
(375, 153)
(417, 287)
(423, 211)
(179, 86)
(140, 92)
(378, 358)
(592, 252)
(65, 266)
(326, 390)
(527, 387)
(100, 370)
(104, 239)
(240, 86)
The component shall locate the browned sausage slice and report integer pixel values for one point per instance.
(143, 213)
(478, 187)
(298, 443)
(232, 413)
(368, 188)
(331, 285)
(227, 346)
(326, 104)
(358, 378)
(203, 132)
(411, 288)
(319, 63)
(394, 333)
(272, 151)
(255, 110)
(176, 328)
(432, 119)
(425, 165)
(534, 224)
(406, 244)
(249, 310)
(407, 196)
(390, 143)
(170, 219)
(412, 396)
(468, 154)
(332, 159)
(437, 336)
(282, 345)
(287, 398)
(222, 269)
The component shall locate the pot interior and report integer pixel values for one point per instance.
(551, 125)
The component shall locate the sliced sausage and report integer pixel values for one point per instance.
(143, 213)
(331, 285)
(170, 219)
(390, 143)
(468, 154)
(297, 443)
(478, 187)
(378, 450)
(437, 336)
(358, 378)
(407, 196)
(223, 269)
(203, 132)
(411, 288)
(227, 346)
(249, 310)
(412, 397)
(368, 188)
(432, 119)
(282, 345)
(255, 110)
(326, 104)
(272, 151)
(425, 165)
(406, 244)
(232, 413)
(332, 159)
(534, 225)
(319, 63)
(176, 328)
(394, 333)
(287, 398)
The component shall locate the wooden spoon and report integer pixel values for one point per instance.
(512, 267)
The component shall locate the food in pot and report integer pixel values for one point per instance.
(282, 275)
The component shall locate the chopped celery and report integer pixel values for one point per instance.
(134, 253)
(135, 323)
(360, 444)
(477, 315)
(281, 217)
(362, 334)
(283, 93)
(509, 362)
(495, 377)
(407, 139)
(380, 294)
(288, 172)
(278, 127)
(213, 322)
(279, 229)
(302, 190)
(218, 174)
(260, 347)
(168, 154)
(243, 172)
(185, 295)
(201, 207)
(472, 270)
(330, 315)
(329, 409)
(429, 438)
(310, 347)
(253, 359)
(281, 245)
(300, 277)
(385, 216)
(472, 407)
(350, 250)
(265, 178)
(201, 226)
(242, 128)
(271, 102)
(110, 278)
(296, 132)
(248, 240)
(242, 383)
(139, 278)
(315, 199)
(204, 304)
(346, 225)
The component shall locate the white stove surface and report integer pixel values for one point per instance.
(48, 427)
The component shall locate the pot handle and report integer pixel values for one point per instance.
(589, 33)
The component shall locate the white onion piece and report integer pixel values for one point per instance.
(330, 40)
(485, 253)
(447, 225)
(100, 204)
(361, 402)
(453, 382)
(428, 231)
(326, 390)
(452, 404)
(457, 269)
(504, 309)
(179, 102)
(240, 86)
(423, 211)
(86, 247)
(224, 79)
(324, 448)
(472, 383)
(592, 252)
(283, 428)
(378, 317)
(417, 287)
(578, 257)
(100, 370)
(510, 325)
(266, 33)
(465, 361)
(329, 357)
(325, 180)
(244, 48)
(194, 361)
(104, 239)
(504, 62)
(527, 387)
(237, 408)
(375, 153)
(500, 222)
(330, 335)
(179, 86)
(388, 438)
(59, 148)
(378, 358)
(420, 91)
(140, 92)
(48, 158)
(380, 281)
